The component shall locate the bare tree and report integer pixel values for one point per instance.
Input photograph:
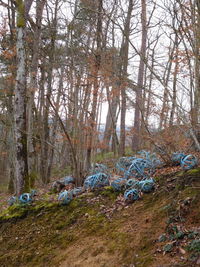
(138, 104)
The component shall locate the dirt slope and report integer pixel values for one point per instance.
(98, 229)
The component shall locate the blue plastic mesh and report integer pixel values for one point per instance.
(131, 195)
(96, 181)
(177, 157)
(150, 157)
(132, 183)
(98, 168)
(77, 191)
(118, 184)
(12, 200)
(124, 163)
(147, 185)
(188, 162)
(65, 197)
(25, 198)
(67, 180)
(140, 168)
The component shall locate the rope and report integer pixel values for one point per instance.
(132, 183)
(187, 162)
(96, 181)
(131, 195)
(147, 185)
(65, 197)
(124, 163)
(118, 184)
(140, 168)
(97, 167)
(177, 157)
(12, 200)
(24, 198)
(67, 180)
(77, 191)
(150, 157)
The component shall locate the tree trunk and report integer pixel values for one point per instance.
(21, 163)
(95, 84)
(123, 82)
(33, 87)
(197, 64)
(138, 104)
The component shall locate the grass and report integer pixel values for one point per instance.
(45, 232)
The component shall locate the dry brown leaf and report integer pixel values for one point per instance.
(182, 251)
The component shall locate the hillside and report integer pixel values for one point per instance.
(97, 229)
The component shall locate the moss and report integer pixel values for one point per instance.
(194, 171)
(189, 192)
(33, 176)
(51, 228)
(21, 22)
(109, 193)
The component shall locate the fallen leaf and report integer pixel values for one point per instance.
(182, 251)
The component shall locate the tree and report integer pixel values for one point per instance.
(123, 76)
(20, 119)
(140, 81)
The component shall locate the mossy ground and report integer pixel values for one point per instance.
(82, 234)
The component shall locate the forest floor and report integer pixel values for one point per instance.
(98, 229)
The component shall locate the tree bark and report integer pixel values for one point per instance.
(20, 127)
(138, 104)
(123, 82)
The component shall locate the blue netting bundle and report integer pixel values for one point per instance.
(67, 180)
(124, 163)
(131, 195)
(140, 168)
(118, 184)
(77, 191)
(147, 185)
(96, 181)
(188, 162)
(132, 183)
(25, 198)
(97, 167)
(65, 197)
(12, 200)
(177, 157)
(150, 157)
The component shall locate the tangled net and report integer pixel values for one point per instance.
(140, 168)
(65, 197)
(96, 181)
(124, 163)
(25, 198)
(187, 162)
(118, 184)
(131, 195)
(147, 185)
(98, 168)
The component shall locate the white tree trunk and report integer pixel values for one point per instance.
(21, 166)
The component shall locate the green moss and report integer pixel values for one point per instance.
(109, 193)
(33, 176)
(189, 192)
(21, 22)
(194, 171)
